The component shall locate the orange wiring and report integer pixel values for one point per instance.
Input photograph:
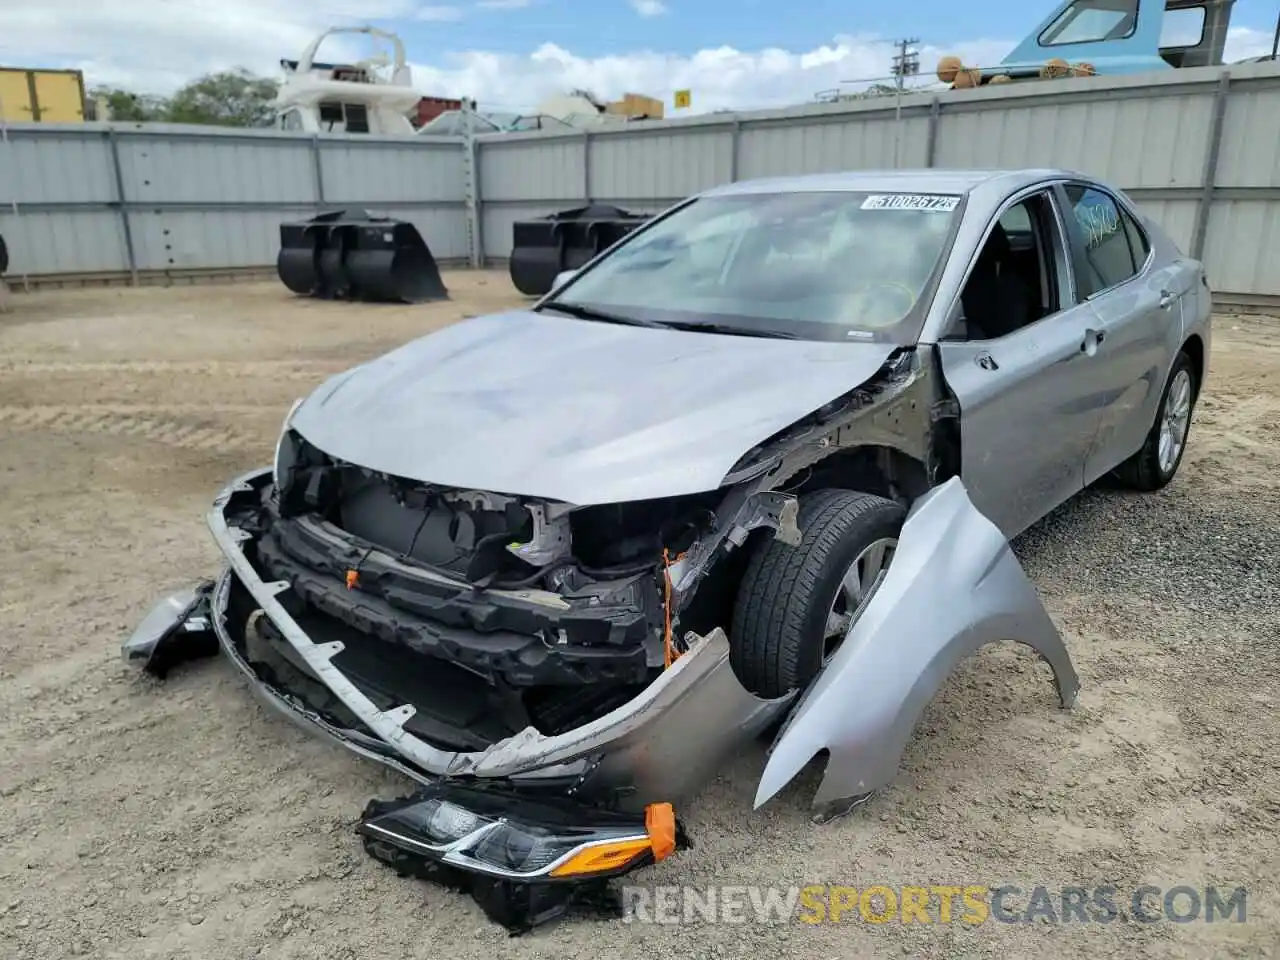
(669, 654)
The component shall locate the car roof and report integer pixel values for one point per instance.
(898, 181)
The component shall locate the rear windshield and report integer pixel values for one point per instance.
(819, 265)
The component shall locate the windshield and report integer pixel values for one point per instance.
(822, 266)
(1092, 21)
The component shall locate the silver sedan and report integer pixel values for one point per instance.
(755, 467)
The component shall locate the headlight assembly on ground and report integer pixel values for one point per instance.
(525, 860)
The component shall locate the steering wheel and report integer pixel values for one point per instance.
(864, 292)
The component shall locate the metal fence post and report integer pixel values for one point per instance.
(586, 166)
(931, 142)
(1209, 180)
(122, 204)
(471, 200)
(317, 169)
(735, 142)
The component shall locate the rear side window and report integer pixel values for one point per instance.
(1138, 242)
(1111, 254)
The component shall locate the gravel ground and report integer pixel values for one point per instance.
(181, 820)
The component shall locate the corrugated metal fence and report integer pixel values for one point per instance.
(122, 201)
(1197, 149)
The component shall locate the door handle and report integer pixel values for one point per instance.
(1167, 299)
(1091, 340)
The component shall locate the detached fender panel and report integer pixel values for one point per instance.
(954, 585)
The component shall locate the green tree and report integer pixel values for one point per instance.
(231, 98)
(123, 105)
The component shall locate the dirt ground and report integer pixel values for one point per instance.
(142, 820)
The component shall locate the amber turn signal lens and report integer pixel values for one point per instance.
(602, 857)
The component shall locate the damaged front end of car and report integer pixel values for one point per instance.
(551, 656)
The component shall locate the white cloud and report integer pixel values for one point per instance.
(155, 46)
(719, 78)
(504, 4)
(1244, 43)
(649, 8)
(439, 14)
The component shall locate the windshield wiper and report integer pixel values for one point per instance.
(583, 312)
(591, 313)
(730, 329)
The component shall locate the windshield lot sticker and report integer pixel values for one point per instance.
(910, 201)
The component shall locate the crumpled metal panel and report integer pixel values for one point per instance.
(548, 406)
(954, 585)
(659, 745)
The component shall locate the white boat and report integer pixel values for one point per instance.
(373, 96)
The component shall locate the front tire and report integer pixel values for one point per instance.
(795, 604)
(1155, 464)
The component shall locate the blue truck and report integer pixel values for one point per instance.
(1082, 37)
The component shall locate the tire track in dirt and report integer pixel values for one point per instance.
(188, 428)
(286, 369)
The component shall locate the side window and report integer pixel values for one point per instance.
(1138, 242)
(1182, 27)
(357, 117)
(1108, 257)
(332, 118)
(1092, 21)
(1017, 221)
(1015, 279)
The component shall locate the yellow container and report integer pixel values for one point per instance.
(50, 96)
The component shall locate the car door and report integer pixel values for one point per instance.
(1138, 306)
(1027, 399)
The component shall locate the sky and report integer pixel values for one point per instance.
(509, 54)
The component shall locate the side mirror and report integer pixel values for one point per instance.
(563, 277)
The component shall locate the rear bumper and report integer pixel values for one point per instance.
(658, 746)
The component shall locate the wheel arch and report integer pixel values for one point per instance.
(1194, 348)
(954, 585)
(877, 468)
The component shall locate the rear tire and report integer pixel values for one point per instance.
(789, 602)
(1155, 464)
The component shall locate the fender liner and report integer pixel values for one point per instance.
(954, 585)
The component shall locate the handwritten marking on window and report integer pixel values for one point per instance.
(1099, 221)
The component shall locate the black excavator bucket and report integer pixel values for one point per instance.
(352, 255)
(542, 248)
(4, 257)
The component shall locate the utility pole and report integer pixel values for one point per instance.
(906, 62)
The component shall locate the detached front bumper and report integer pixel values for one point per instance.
(658, 746)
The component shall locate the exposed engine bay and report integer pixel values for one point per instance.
(556, 613)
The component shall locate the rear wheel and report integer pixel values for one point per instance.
(796, 604)
(1155, 464)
